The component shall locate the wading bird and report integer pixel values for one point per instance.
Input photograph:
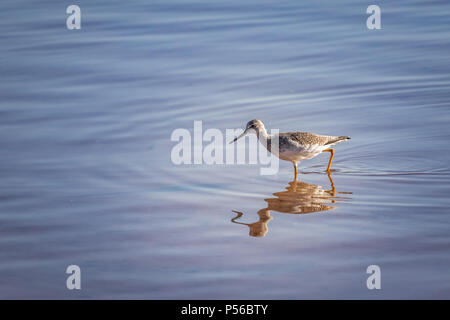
(293, 146)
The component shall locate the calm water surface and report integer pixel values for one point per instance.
(86, 176)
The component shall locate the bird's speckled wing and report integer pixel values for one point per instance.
(308, 139)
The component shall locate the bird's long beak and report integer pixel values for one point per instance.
(243, 134)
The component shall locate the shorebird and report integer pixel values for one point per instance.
(293, 146)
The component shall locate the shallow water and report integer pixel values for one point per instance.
(86, 175)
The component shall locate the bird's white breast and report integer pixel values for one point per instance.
(300, 152)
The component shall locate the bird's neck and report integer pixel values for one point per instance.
(263, 137)
(262, 133)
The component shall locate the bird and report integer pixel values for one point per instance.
(293, 146)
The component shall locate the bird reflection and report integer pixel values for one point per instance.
(300, 198)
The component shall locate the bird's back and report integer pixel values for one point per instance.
(309, 139)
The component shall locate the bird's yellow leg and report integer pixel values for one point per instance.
(331, 158)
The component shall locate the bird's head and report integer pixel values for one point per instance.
(253, 126)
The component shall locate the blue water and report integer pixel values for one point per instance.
(86, 176)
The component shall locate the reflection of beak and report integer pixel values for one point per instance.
(243, 134)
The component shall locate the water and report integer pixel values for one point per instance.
(86, 176)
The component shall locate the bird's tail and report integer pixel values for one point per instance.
(337, 139)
